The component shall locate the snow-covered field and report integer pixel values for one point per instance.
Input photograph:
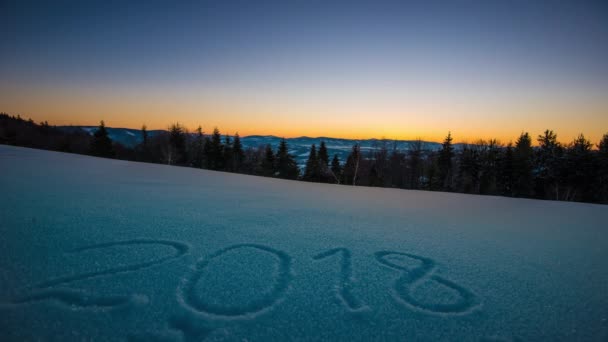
(97, 249)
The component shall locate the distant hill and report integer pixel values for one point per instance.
(299, 147)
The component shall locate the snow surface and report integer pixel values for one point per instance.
(98, 249)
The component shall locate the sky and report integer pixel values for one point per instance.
(347, 69)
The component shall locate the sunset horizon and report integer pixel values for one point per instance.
(399, 70)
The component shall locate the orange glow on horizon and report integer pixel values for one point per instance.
(467, 121)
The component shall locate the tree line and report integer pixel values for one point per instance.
(568, 172)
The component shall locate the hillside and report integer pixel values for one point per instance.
(101, 249)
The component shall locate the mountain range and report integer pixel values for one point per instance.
(299, 147)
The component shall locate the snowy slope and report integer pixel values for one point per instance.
(97, 249)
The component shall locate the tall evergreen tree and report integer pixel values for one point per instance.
(522, 166)
(198, 149)
(547, 166)
(506, 172)
(286, 165)
(323, 164)
(581, 169)
(378, 172)
(444, 163)
(489, 168)
(228, 155)
(216, 151)
(101, 145)
(143, 150)
(311, 172)
(208, 161)
(268, 163)
(432, 180)
(177, 145)
(398, 172)
(144, 136)
(336, 169)
(238, 153)
(469, 170)
(350, 173)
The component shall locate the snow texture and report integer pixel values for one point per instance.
(98, 249)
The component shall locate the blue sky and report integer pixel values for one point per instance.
(353, 69)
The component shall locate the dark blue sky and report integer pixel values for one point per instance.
(275, 60)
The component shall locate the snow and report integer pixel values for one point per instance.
(97, 249)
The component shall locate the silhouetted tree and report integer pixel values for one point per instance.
(432, 179)
(322, 155)
(228, 155)
(268, 163)
(506, 164)
(397, 170)
(548, 160)
(350, 173)
(336, 169)
(143, 149)
(238, 153)
(198, 149)
(522, 166)
(489, 172)
(176, 152)
(216, 151)
(323, 171)
(101, 145)
(444, 163)
(378, 172)
(469, 169)
(311, 172)
(286, 165)
(581, 170)
(208, 156)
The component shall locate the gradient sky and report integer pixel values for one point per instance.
(393, 69)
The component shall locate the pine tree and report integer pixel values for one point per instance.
(350, 173)
(216, 151)
(548, 164)
(238, 153)
(445, 163)
(506, 181)
(177, 142)
(522, 166)
(311, 172)
(198, 149)
(286, 165)
(101, 145)
(581, 169)
(323, 158)
(208, 161)
(469, 170)
(432, 181)
(228, 155)
(144, 136)
(397, 172)
(336, 169)
(144, 147)
(489, 168)
(268, 163)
